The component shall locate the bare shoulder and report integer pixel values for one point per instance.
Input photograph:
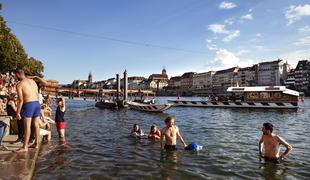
(19, 84)
(176, 128)
(279, 139)
(262, 138)
(163, 130)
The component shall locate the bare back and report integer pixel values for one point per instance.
(272, 146)
(29, 90)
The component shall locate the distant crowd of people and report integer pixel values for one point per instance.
(21, 98)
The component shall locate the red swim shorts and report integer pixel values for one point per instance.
(61, 125)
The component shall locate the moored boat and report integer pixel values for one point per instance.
(266, 97)
(107, 104)
(149, 107)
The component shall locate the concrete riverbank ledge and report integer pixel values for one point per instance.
(16, 165)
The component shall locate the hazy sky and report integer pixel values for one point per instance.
(74, 37)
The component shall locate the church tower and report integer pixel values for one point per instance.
(164, 71)
(90, 78)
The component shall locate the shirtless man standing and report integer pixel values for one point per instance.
(170, 134)
(272, 145)
(28, 106)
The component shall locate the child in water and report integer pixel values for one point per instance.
(60, 119)
(136, 131)
(154, 133)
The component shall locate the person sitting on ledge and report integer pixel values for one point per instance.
(272, 144)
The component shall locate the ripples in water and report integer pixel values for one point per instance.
(100, 147)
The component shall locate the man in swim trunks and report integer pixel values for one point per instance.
(28, 107)
(272, 145)
(170, 134)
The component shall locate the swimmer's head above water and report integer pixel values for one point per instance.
(169, 121)
(267, 128)
(136, 128)
(153, 128)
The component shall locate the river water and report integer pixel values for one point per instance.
(99, 146)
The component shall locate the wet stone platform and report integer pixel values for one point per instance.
(16, 165)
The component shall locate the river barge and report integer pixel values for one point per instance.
(262, 97)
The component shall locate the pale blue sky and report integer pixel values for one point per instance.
(74, 37)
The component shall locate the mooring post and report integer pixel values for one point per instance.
(118, 87)
(125, 86)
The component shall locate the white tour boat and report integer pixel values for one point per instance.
(266, 97)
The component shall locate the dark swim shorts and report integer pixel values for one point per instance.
(170, 147)
(31, 109)
(272, 160)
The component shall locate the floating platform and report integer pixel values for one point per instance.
(226, 104)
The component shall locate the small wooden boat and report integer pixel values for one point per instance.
(259, 97)
(149, 107)
(107, 104)
(146, 101)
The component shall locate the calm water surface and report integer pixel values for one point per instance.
(99, 146)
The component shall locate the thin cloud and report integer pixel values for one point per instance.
(221, 29)
(295, 56)
(218, 28)
(247, 17)
(295, 13)
(227, 5)
(229, 21)
(305, 41)
(305, 29)
(231, 35)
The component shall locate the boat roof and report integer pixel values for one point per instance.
(282, 89)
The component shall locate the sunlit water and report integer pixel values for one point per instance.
(99, 146)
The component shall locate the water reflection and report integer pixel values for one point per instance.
(274, 171)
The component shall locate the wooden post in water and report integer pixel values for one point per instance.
(125, 86)
(118, 87)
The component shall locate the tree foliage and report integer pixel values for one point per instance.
(13, 55)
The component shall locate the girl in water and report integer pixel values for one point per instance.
(136, 131)
(154, 133)
(60, 119)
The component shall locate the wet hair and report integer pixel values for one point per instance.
(134, 128)
(169, 118)
(268, 126)
(153, 127)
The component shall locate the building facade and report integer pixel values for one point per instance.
(158, 81)
(270, 73)
(224, 79)
(302, 76)
(187, 81)
(247, 76)
(203, 83)
(174, 82)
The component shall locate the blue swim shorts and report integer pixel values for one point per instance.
(31, 109)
